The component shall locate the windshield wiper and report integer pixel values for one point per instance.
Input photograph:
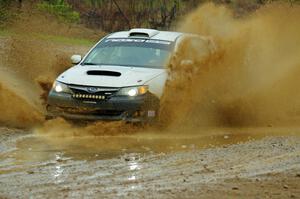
(89, 64)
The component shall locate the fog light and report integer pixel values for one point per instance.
(58, 88)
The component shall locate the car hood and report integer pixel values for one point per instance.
(109, 76)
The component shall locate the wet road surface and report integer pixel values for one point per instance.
(148, 166)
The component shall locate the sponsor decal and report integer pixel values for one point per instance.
(140, 41)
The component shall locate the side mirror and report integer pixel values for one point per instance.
(75, 59)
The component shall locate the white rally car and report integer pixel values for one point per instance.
(121, 78)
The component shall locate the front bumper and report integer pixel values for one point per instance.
(133, 109)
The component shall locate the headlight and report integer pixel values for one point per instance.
(133, 91)
(61, 88)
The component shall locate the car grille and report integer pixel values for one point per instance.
(87, 111)
(92, 93)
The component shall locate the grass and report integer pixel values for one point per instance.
(65, 40)
(51, 38)
(4, 33)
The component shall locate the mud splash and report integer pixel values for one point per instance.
(27, 65)
(30, 62)
(245, 75)
(24, 115)
(250, 80)
(61, 128)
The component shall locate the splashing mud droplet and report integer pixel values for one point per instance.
(244, 74)
(250, 80)
(61, 128)
(28, 65)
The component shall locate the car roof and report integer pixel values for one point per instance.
(147, 33)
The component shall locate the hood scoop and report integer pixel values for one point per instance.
(103, 73)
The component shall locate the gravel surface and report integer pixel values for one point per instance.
(266, 168)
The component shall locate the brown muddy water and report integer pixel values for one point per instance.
(249, 78)
(43, 148)
(240, 91)
(93, 148)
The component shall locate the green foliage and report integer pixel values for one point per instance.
(4, 14)
(60, 9)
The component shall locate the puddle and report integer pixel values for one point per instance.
(41, 148)
(60, 157)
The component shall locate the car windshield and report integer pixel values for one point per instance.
(131, 52)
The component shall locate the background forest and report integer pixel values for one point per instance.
(113, 15)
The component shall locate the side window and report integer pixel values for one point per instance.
(195, 48)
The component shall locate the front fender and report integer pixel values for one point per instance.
(157, 84)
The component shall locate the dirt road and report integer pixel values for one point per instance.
(71, 162)
(228, 165)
